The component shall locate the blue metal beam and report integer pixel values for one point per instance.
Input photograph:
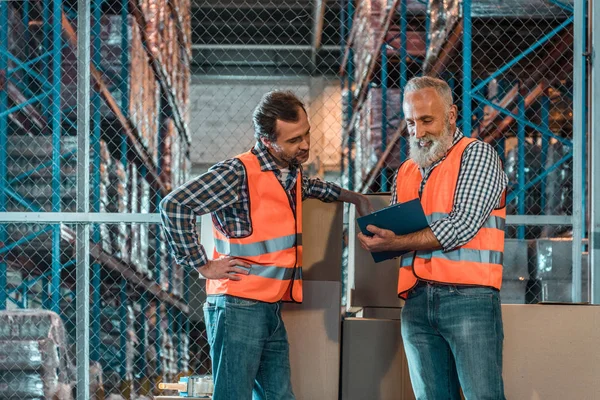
(538, 178)
(524, 121)
(524, 54)
(21, 200)
(545, 119)
(521, 164)
(350, 80)
(24, 240)
(403, 69)
(40, 168)
(467, 56)
(29, 71)
(562, 5)
(384, 81)
(24, 104)
(46, 67)
(3, 135)
(28, 284)
(26, 66)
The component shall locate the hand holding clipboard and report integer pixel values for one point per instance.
(400, 218)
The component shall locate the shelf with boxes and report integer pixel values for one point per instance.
(139, 151)
(386, 46)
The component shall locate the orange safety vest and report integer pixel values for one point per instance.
(478, 262)
(273, 249)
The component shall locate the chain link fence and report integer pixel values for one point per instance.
(174, 83)
(518, 97)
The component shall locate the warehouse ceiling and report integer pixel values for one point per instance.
(266, 37)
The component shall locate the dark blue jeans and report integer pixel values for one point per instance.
(453, 339)
(249, 349)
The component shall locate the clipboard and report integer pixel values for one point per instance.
(400, 218)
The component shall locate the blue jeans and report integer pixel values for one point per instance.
(249, 349)
(453, 339)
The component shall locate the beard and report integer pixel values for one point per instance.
(294, 160)
(424, 156)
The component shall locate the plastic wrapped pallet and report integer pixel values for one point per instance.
(171, 154)
(104, 183)
(157, 254)
(444, 15)
(134, 207)
(532, 201)
(372, 137)
(96, 381)
(559, 187)
(140, 103)
(30, 345)
(144, 228)
(368, 18)
(118, 203)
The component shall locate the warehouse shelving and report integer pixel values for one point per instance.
(38, 111)
(516, 76)
(510, 108)
(409, 17)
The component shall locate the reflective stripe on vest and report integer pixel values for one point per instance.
(492, 222)
(272, 272)
(461, 254)
(258, 248)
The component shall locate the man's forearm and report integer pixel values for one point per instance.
(421, 240)
(350, 197)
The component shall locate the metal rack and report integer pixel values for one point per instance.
(455, 62)
(397, 15)
(59, 32)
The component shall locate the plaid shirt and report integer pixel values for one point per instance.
(480, 185)
(223, 191)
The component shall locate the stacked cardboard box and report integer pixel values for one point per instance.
(168, 33)
(369, 21)
(175, 164)
(133, 85)
(368, 131)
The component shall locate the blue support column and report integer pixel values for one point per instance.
(46, 67)
(350, 78)
(501, 149)
(56, 133)
(45, 293)
(124, 86)
(384, 120)
(95, 143)
(521, 162)
(404, 68)
(545, 122)
(26, 36)
(466, 53)
(3, 138)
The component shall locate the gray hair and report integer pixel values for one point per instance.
(425, 82)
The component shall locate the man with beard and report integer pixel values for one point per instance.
(450, 280)
(256, 203)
